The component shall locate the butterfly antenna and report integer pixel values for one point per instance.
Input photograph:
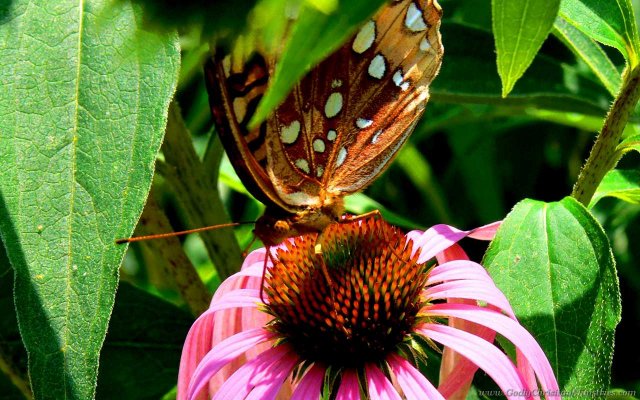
(180, 233)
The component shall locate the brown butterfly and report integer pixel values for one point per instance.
(340, 126)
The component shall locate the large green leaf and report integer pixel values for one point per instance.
(590, 52)
(317, 32)
(520, 28)
(83, 105)
(468, 75)
(609, 22)
(142, 350)
(554, 263)
(621, 184)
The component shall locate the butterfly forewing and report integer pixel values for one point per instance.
(344, 122)
(341, 124)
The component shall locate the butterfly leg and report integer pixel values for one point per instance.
(264, 271)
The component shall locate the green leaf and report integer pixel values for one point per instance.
(629, 143)
(84, 105)
(554, 263)
(609, 22)
(590, 52)
(621, 184)
(315, 35)
(142, 350)
(520, 28)
(468, 76)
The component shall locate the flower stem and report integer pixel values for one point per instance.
(604, 156)
(195, 185)
(176, 266)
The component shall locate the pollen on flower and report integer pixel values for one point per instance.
(354, 302)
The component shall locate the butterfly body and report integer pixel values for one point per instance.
(340, 126)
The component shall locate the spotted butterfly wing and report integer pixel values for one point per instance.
(340, 126)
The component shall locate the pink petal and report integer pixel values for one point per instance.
(484, 354)
(413, 383)
(440, 237)
(472, 290)
(454, 252)
(200, 336)
(511, 330)
(379, 386)
(268, 387)
(485, 232)
(247, 278)
(266, 369)
(457, 270)
(456, 372)
(223, 353)
(310, 385)
(349, 387)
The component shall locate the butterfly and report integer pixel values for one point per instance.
(339, 127)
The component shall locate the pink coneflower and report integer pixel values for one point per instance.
(349, 315)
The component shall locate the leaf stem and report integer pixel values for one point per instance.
(603, 156)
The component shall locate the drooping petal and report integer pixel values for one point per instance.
(457, 270)
(484, 354)
(456, 371)
(511, 330)
(485, 232)
(413, 383)
(201, 334)
(349, 387)
(440, 237)
(378, 385)
(472, 290)
(310, 385)
(266, 369)
(222, 354)
(268, 387)
(455, 252)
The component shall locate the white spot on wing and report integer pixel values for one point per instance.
(398, 79)
(363, 123)
(414, 20)
(289, 134)
(342, 155)
(376, 136)
(336, 83)
(331, 135)
(334, 105)
(424, 44)
(318, 146)
(365, 37)
(319, 171)
(303, 165)
(377, 66)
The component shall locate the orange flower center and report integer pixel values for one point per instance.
(347, 296)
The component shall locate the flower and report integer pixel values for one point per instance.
(352, 311)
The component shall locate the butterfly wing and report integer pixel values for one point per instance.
(343, 122)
